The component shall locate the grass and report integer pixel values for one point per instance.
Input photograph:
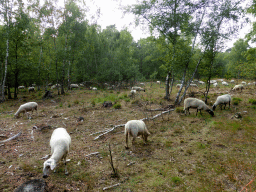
(183, 153)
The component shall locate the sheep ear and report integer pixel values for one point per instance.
(53, 165)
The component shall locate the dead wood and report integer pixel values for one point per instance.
(11, 138)
(95, 153)
(106, 188)
(122, 125)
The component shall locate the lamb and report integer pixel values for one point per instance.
(30, 106)
(237, 87)
(138, 89)
(73, 86)
(198, 104)
(222, 100)
(31, 89)
(135, 128)
(60, 143)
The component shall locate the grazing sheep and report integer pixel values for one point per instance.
(94, 88)
(138, 89)
(73, 86)
(178, 86)
(142, 84)
(158, 82)
(21, 87)
(224, 83)
(193, 85)
(81, 85)
(201, 82)
(237, 87)
(213, 81)
(243, 83)
(31, 89)
(135, 128)
(133, 93)
(60, 144)
(30, 106)
(232, 81)
(196, 103)
(222, 100)
(215, 84)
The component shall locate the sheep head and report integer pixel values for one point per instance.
(210, 112)
(213, 107)
(49, 164)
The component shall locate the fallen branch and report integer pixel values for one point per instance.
(122, 125)
(106, 188)
(95, 153)
(11, 138)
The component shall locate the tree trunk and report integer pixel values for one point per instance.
(167, 94)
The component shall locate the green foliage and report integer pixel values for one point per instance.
(117, 106)
(252, 101)
(236, 100)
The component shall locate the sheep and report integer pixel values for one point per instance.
(198, 104)
(178, 86)
(243, 83)
(201, 82)
(135, 128)
(21, 87)
(94, 88)
(222, 100)
(232, 81)
(213, 81)
(31, 89)
(133, 93)
(73, 86)
(215, 84)
(81, 85)
(224, 83)
(30, 106)
(142, 84)
(158, 82)
(60, 143)
(193, 85)
(237, 87)
(138, 89)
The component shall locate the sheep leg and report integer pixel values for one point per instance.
(126, 141)
(225, 106)
(133, 143)
(196, 111)
(65, 162)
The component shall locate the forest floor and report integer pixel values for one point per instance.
(183, 153)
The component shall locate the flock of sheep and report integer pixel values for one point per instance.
(60, 140)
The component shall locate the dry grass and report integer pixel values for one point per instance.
(184, 153)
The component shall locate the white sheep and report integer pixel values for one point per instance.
(243, 83)
(201, 82)
(94, 88)
(60, 143)
(178, 86)
(215, 84)
(135, 128)
(237, 87)
(232, 81)
(73, 86)
(21, 87)
(224, 83)
(31, 89)
(30, 106)
(138, 89)
(213, 81)
(193, 85)
(222, 100)
(142, 84)
(158, 82)
(196, 103)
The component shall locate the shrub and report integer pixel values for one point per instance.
(236, 100)
(117, 106)
(252, 101)
(179, 110)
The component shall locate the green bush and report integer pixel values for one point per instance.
(252, 101)
(179, 110)
(117, 106)
(236, 100)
